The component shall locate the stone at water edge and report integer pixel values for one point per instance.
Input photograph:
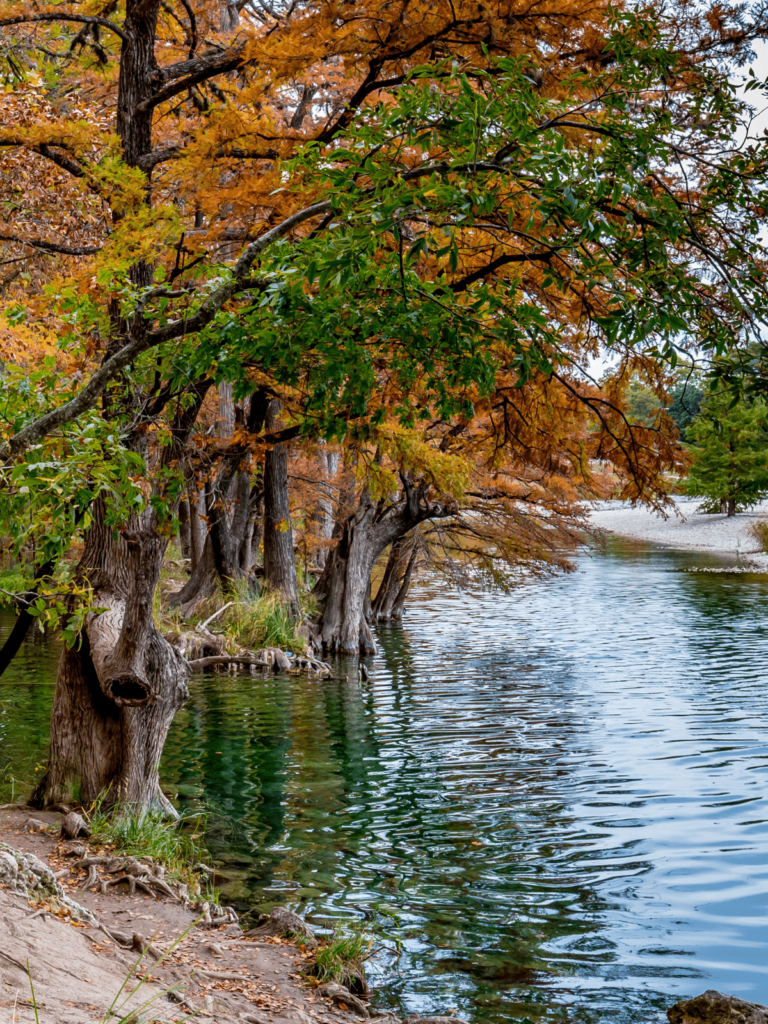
(284, 923)
(715, 1008)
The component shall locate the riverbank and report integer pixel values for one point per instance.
(686, 528)
(77, 947)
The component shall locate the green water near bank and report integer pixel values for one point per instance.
(550, 804)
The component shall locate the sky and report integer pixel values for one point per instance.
(597, 367)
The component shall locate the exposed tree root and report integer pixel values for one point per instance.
(150, 878)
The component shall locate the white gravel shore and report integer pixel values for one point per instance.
(687, 529)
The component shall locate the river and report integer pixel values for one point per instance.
(549, 804)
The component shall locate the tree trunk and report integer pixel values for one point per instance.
(329, 464)
(396, 615)
(279, 561)
(185, 531)
(116, 694)
(731, 507)
(393, 589)
(200, 585)
(198, 527)
(257, 537)
(228, 531)
(362, 537)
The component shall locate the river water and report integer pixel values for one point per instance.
(547, 805)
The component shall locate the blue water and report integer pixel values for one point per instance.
(549, 804)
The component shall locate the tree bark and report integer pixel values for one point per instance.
(329, 464)
(200, 585)
(185, 530)
(345, 584)
(197, 524)
(279, 561)
(393, 589)
(116, 694)
(731, 507)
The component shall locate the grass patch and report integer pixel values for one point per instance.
(174, 844)
(342, 959)
(261, 622)
(759, 531)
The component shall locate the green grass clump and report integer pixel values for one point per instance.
(759, 531)
(258, 622)
(342, 959)
(173, 843)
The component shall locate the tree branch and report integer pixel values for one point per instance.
(500, 261)
(142, 340)
(82, 19)
(66, 250)
(186, 73)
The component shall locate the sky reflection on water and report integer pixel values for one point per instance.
(550, 799)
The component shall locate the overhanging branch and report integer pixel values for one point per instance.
(82, 19)
(52, 247)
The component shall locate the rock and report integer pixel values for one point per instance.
(343, 997)
(35, 881)
(283, 923)
(715, 1008)
(233, 931)
(9, 869)
(74, 826)
(34, 825)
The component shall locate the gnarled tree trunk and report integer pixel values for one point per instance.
(395, 583)
(185, 530)
(345, 585)
(117, 693)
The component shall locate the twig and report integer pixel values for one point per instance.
(16, 963)
(215, 615)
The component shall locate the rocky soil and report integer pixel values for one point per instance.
(76, 946)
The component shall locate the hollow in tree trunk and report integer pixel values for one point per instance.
(116, 694)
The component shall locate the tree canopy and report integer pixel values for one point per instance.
(403, 229)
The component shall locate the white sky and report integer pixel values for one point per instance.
(760, 66)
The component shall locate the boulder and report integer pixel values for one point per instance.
(715, 1008)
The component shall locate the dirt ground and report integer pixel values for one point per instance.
(77, 970)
